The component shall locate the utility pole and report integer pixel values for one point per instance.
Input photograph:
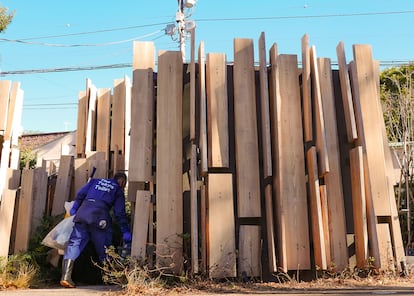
(181, 25)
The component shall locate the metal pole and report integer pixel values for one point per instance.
(181, 31)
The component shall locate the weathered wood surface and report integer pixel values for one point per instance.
(63, 184)
(287, 148)
(306, 90)
(142, 113)
(169, 161)
(217, 111)
(103, 121)
(333, 178)
(141, 220)
(245, 127)
(221, 226)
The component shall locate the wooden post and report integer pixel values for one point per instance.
(140, 230)
(103, 121)
(306, 90)
(63, 184)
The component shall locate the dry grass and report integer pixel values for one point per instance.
(139, 280)
(16, 272)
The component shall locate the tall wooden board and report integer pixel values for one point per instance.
(63, 184)
(103, 121)
(359, 206)
(39, 196)
(373, 142)
(194, 210)
(319, 247)
(333, 179)
(90, 141)
(24, 221)
(319, 120)
(140, 230)
(221, 226)
(245, 129)
(81, 124)
(306, 90)
(118, 116)
(287, 149)
(142, 112)
(203, 110)
(169, 161)
(217, 111)
(264, 109)
(4, 102)
(345, 82)
(7, 210)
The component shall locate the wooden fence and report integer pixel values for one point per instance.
(269, 167)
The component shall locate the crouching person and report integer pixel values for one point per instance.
(93, 221)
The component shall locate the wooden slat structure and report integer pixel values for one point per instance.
(242, 139)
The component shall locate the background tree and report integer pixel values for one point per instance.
(397, 100)
(5, 18)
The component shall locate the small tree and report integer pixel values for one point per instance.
(5, 18)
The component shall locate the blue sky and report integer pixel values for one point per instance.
(69, 34)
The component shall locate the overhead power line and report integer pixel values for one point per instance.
(304, 16)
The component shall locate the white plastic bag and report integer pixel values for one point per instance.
(58, 237)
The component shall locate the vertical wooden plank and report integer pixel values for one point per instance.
(103, 121)
(63, 184)
(39, 197)
(194, 210)
(24, 216)
(169, 161)
(319, 247)
(11, 110)
(203, 110)
(264, 109)
(81, 124)
(7, 210)
(333, 179)
(140, 231)
(373, 142)
(217, 110)
(351, 129)
(203, 229)
(245, 129)
(359, 206)
(90, 141)
(142, 112)
(319, 120)
(270, 229)
(80, 173)
(325, 220)
(385, 246)
(118, 116)
(221, 227)
(287, 148)
(192, 87)
(249, 250)
(306, 90)
(4, 102)
(127, 153)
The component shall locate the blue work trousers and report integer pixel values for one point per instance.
(80, 236)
